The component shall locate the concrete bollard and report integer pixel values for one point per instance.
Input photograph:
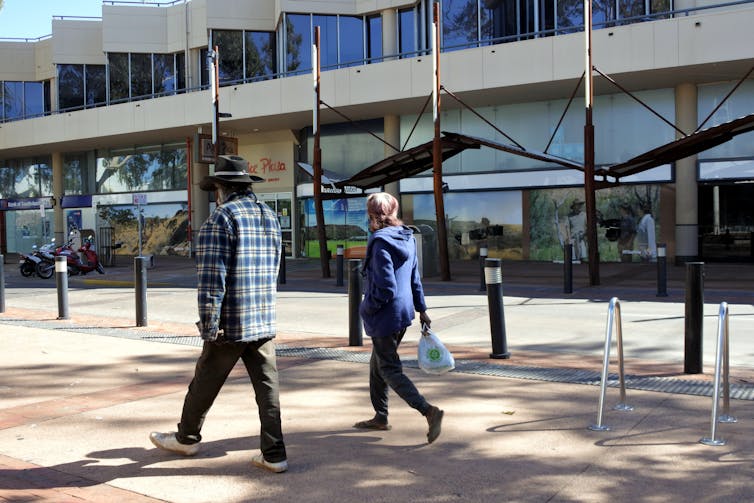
(494, 279)
(662, 270)
(692, 361)
(2, 284)
(61, 283)
(354, 302)
(339, 266)
(482, 258)
(568, 268)
(140, 287)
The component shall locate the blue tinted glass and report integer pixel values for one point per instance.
(230, 47)
(328, 40)
(407, 27)
(13, 100)
(70, 86)
(164, 73)
(374, 38)
(34, 100)
(298, 51)
(459, 23)
(351, 40)
(260, 54)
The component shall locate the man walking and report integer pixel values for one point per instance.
(238, 255)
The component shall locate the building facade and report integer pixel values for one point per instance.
(107, 123)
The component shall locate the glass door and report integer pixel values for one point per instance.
(281, 204)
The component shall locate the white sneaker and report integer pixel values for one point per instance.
(260, 462)
(168, 442)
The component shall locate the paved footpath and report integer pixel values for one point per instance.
(78, 398)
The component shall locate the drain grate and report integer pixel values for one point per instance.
(571, 376)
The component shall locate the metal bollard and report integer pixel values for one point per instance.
(494, 279)
(568, 268)
(2, 284)
(482, 258)
(61, 283)
(140, 286)
(281, 271)
(339, 266)
(662, 270)
(354, 301)
(692, 361)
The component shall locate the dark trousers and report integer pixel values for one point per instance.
(385, 369)
(212, 369)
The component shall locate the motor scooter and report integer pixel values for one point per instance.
(46, 268)
(28, 263)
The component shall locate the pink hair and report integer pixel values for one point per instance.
(382, 209)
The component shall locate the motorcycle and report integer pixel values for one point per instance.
(28, 263)
(46, 268)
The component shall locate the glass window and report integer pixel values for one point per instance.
(70, 86)
(260, 54)
(75, 173)
(119, 76)
(570, 14)
(351, 40)
(346, 148)
(204, 67)
(136, 169)
(96, 78)
(164, 73)
(298, 51)
(499, 20)
(13, 100)
(374, 38)
(631, 8)
(328, 40)
(141, 75)
(603, 12)
(34, 100)
(407, 32)
(459, 23)
(737, 105)
(180, 69)
(230, 47)
(656, 6)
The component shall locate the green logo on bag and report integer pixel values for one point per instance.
(434, 355)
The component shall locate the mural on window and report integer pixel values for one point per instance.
(627, 218)
(346, 224)
(164, 228)
(474, 220)
(139, 170)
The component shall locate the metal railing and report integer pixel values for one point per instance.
(722, 369)
(613, 319)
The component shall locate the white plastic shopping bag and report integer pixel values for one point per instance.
(434, 357)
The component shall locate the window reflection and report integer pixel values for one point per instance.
(298, 37)
(96, 80)
(260, 54)
(141, 75)
(230, 47)
(119, 76)
(351, 40)
(374, 38)
(407, 32)
(459, 23)
(13, 100)
(157, 168)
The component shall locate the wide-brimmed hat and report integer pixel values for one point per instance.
(229, 169)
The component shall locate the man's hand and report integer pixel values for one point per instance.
(424, 318)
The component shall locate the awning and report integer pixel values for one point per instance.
(681, 148)
(418, 159)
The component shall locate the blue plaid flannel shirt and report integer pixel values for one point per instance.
(238, 256)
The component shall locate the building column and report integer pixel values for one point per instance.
(58, 186)
(392, 123)
(389, 33)
(686, 204)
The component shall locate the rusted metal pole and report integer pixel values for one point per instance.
(589, 196)
(442, 233)
(317, 163)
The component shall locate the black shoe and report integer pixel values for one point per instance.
(434, 420)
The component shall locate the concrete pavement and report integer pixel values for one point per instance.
(80, 396)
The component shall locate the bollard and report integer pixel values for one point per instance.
(281, 271)
(662, 270)
(692, 362)
(61, 283)
(339, 266)
(482, 258)
(494, 280)
(2, 284)
(568, 268)
(354, 301)
(140, 286)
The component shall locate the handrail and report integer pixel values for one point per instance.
(722, 369)
(613, 318)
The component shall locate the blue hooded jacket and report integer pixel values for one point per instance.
(393, 291)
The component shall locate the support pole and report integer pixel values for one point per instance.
(482, 259)
(354, 302)
(281, 272)
(662, 270)
(494, 278)
(2, 283)
(589, 196)
(61, 283)
(568, 268)
(140, 285)
(692, 362)
(317, 162)
(339, 265)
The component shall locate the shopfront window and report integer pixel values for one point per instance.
(25, 178)
(347, 225)
(142, 170)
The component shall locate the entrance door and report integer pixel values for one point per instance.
(281, 203)
(726, 222)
